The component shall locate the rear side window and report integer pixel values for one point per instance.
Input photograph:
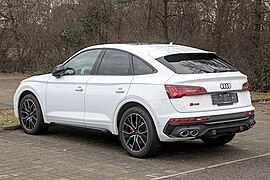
(115, 63)
(196, 63)
(140, 67)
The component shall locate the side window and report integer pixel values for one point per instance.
(83, 63)
(141, 67)
(115, 63)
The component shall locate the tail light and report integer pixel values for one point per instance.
(178, 91)
(245, 86)
(192, 119)
(248, 113)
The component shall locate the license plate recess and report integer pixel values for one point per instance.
(222, 99)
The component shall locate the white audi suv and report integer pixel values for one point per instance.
(145, 94)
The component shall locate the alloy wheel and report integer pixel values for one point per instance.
(28, 114)
(135, 132)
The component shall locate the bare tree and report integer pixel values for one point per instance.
(35, 35)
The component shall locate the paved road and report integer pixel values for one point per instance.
(8, 85)
(73, 153)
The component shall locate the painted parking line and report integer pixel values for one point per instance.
(212, 166)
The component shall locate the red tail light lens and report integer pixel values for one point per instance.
(178, 91)
(245, 86)
(193, 119)
(248, 113)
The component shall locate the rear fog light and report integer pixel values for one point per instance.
(192, 119)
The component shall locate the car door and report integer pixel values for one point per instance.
(65, 95)
(107, 88)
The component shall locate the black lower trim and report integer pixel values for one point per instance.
(215, 126)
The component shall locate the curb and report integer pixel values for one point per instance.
(7, 128)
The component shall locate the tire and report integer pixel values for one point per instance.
(137, 133)
(30, 115)
(218, 141)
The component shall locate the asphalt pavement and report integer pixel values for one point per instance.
(74, 153)
(66, 153)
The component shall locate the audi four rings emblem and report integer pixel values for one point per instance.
(225, 86)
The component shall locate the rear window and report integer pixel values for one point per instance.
(115, 63)
(194, 63)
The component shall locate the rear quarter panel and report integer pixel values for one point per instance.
(149, 91)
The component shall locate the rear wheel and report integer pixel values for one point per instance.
(30, 115)
(137, 133)
(218, 141)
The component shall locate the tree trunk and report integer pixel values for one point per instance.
(257, 23)
(219, 24)
(165, 22)
(148, 28)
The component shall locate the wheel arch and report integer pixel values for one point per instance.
(25, 92)
(132, 103)
(126, 107)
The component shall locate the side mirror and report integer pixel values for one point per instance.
(58, 71)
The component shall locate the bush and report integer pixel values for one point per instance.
(262, 79)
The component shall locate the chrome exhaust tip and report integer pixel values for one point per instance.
(184, 133)
(194, 132)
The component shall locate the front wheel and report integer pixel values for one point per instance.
(137, 133)
(218, 141)
(30, 115)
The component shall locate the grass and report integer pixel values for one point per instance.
(7, 118)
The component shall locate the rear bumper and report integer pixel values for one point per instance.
(215, 126)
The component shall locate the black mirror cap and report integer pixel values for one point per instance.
(58, 71)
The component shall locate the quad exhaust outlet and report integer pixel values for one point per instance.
(194, 132)
(184, 133)
(189, 133)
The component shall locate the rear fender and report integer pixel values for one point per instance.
(140, 101)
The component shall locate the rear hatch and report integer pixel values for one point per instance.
(204, 82)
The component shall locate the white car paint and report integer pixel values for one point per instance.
(211, 84)
(65, 99)
(103, 94)
(94, 101)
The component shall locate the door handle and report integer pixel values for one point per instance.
(120, 90)
(79, 89)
